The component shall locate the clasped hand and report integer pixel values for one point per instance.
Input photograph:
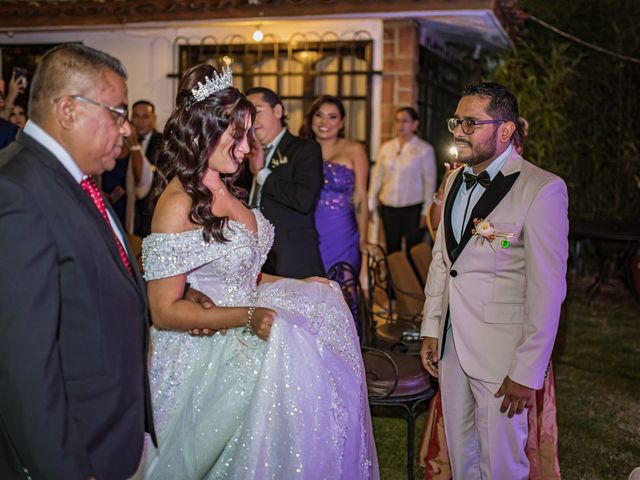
(429, 355)
(262, 321)
(517, 397)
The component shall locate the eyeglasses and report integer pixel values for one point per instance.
(120, 113)
(468, 125)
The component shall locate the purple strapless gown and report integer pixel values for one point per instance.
(335, 217)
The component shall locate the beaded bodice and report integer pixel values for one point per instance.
(225, 271)
(337, 191)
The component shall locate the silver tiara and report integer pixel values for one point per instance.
(212, 85)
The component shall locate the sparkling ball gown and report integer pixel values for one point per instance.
(234, 406)
(335, 217)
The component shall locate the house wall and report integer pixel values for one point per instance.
(148, 51)
(401, 63)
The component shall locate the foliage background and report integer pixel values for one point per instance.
(583, 107)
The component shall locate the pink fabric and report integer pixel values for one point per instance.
(541, 448)
(89, 186)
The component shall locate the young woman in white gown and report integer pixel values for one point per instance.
(279, 391)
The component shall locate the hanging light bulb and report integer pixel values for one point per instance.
(258, 36)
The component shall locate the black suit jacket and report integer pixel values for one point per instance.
(153, 147)
(288, 200)
(75, 396)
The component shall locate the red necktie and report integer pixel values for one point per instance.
(89, 186)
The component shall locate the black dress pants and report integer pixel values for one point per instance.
(399, 223)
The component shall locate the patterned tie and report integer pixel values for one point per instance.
(256, 189)
(482, 178)
(89, 186)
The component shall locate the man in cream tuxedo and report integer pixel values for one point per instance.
(495, 288)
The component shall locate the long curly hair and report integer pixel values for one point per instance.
(190, 136)
(307, 130)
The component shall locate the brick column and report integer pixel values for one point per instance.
(399, 77)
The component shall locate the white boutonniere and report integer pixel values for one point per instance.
(279, 160)
(484, 230)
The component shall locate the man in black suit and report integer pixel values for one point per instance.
(143, 119)
(73, 312)
(287, 181)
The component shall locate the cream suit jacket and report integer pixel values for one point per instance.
(504, 302)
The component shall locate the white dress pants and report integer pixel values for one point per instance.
(483, 443)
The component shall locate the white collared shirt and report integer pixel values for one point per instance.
(262, 175)
(48, 142)
(404, 175)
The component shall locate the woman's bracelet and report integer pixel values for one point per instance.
(435, 198)
(248, 328)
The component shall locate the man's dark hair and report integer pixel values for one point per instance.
(145, 102)
(271, 98)
(503, 104)
(66, 69)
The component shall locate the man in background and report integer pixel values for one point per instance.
(143, 120)
(287, 181)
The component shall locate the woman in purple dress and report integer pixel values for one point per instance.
(341, 212)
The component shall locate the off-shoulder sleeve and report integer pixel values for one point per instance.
(169, 254)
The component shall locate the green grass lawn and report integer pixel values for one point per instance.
(597, 373)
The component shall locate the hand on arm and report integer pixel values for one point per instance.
(195, 296)
(168, 305)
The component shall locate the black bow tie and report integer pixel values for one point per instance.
(482, 178)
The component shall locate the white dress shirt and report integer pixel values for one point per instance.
(262, 175)
(404, 175)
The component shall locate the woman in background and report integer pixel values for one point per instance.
(341, 212)
(403, 181)
(18, 116)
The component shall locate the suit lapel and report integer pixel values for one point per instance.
(490, 199)
(450, 239)
(136, 278)
(281, 150)
(79, 197)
